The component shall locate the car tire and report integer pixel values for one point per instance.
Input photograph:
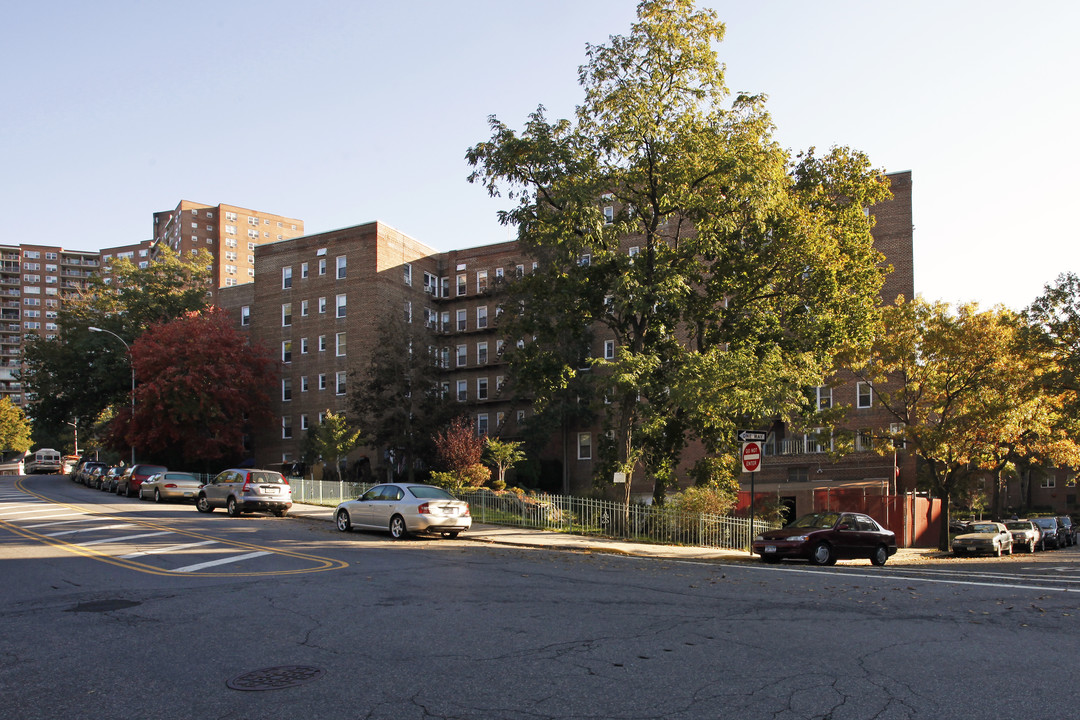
(997, 550)
(397, 528)
(451, 534)
(880, 556)
(202, 504)
(157, 496)
(343, 521)
(822, 554)
(233, 508)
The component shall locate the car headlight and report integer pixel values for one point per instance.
(759, 538)
(797, 538)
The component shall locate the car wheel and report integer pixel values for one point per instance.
(157, 495)
(880, 556)
(342, 520)
(202, 504)
(127, 491)
(822, 554)
(1031, 547)
(397, 527)
(997, 550)
(233, 508)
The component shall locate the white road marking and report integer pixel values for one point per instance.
(100, 527)
(223, 561)
(125, 537)
(85, 518)
(171, 548)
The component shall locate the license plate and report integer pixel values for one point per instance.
(770, 548)
(450, 511)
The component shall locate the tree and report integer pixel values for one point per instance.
(503, 454)
(727, 271)
(14, 428)
(460, 451)
(1054, 326)
(397, 398)
(335, 438)
(79, 373)
(965, 393)
(202, 388)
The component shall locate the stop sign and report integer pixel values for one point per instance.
(751, 456)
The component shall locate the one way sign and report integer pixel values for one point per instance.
(751, 436)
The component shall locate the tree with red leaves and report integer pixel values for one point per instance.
(460, 451)
(200, 388)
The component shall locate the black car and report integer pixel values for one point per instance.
(1070, 530)
(1053, 533)
(824, 538)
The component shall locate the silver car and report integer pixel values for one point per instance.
(403, 508)
(242, 490)
(170, 486)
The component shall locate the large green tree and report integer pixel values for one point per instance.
(398, 398)
(14, 428)
(78, 374)
(727, 270)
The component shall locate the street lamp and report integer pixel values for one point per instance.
(132, 361)
(76, 426)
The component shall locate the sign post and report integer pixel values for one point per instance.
(752, 441)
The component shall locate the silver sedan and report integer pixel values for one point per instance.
(170, 486)
(403, 508)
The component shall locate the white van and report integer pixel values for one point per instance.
(46, 461)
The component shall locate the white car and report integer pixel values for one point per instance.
(403, 508)
(984, 537)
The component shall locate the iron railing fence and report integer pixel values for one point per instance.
(575, 515)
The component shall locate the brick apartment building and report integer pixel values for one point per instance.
(318, 300)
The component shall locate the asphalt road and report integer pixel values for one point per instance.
(148, 611)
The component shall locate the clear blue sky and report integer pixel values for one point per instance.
(343, 112)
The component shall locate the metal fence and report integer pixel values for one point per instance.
(578, 516)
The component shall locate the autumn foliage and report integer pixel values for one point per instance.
(199, 387)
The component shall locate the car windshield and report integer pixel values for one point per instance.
(817, 520)
(267, 476)
(430, 493)
(1018, 525)
(1046, 523)
(983, 528)
(180, 476)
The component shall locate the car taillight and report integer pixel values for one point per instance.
(423, 509)
(466, 510)
(170, 485)
(246, 488)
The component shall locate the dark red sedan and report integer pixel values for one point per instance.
(824, 538)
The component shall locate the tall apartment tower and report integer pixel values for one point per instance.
(228, 233)
(34, 279)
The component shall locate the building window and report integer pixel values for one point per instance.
(303, 383)
(303, 270)
(462, 355)
(798, 474)
(481, 281)
(322, 381)
(339, 344)
(864, 395)
(340, 303)
(286, 389)
(609, 349)
(462, 320)
(322, 343)
(303, 346)
(609, 214)
(322, 305)
(481, 317)
(499, 382)
(408, 274)
(340, 383)
(824, 397)
(322, 266)
(408, 311)
(1048, 481)
(286, 351)
(482, 388)
(303, 422)
(286, 275)
(303, 308)
(520, 415)
(286, 314)
(482, 424)
(462, 282)
(245, 315)
(584, 446)
(286, 427)
(481, 353)
(462, 390)
(864, 439)
(341, 267)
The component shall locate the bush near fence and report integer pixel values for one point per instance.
(578, 516)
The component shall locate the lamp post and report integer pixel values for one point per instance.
(132, 362)
(76, 426)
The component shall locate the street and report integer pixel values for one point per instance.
(143, 610)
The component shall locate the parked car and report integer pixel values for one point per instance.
(403, 508)
(1025, 534)
(824, 538)
(1069, 529)
(984, 537)
(82, 475)
(244, 490)
(1053, 535)
(94, 479)
(110, 478)
(170, 485)
(134, 477)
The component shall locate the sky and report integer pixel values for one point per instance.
(341, 112)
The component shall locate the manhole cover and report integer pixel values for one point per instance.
(103, 605)
(276, 678)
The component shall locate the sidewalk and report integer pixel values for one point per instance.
(545, 539)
